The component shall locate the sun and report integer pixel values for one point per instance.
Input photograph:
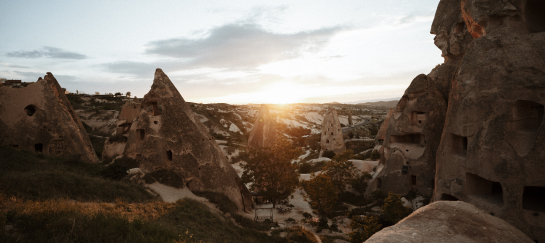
(280, 93)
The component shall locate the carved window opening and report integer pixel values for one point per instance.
(459, 27)
(331, 134)
(141, 134)
(327, 141)
(535, 18)
(30, 110)
(459, 145)
(418, 117)
(480, 187)
(38, 147)
(413, 180)
(533, 198)
(169, 155)
(414, 138)
(448, 197)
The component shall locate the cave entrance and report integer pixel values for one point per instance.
(459, 145)
(448, 197)
(533, 198)
(488, 190)
(535, 19)
(141, 134)
(38, 147)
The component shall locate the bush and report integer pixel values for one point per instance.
(375, 155)
(328, 154)
(363, 228)
(393, 208)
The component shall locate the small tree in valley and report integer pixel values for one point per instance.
(363, 228)
(359, 183)
(340, 170)
(393, 208)
(271, 171)
(321, 192)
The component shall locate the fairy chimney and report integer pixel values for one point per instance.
(332, 134)
(40, 118)
(263, 133)
(167, 135)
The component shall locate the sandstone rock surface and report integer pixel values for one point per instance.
(263, 133)
(450, 222)
(491, 149)
(40, 118)
(332, 135)
(168, 135)
(411, 139)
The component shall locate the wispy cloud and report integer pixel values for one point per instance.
(241, 46)
(47, 51)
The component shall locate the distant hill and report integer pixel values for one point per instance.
(390, 103)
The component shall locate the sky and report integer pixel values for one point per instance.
(235, 52)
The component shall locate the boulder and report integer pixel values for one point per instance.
(40, 118)
(167, 135)
(450, 222)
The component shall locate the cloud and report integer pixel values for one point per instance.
(47, 51)
(241, 46)
(33, 76)
(415, 17)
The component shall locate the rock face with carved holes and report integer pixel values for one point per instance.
(40, 118)
(332, 133)
(167, 135)
(264, 132)
(450, 222)
(411, 139)
(493, 88)
(491, 153)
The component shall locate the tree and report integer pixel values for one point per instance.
(359, 183)
(321, 192)
(393, 208)
(351, 134)
(128, 94)
(118, 94)
(363, 228)
(341, 170)
(271, 171)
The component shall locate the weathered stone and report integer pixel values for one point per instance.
(411, 140)
(264, 132)
(491, 153)
(40, 118)
(168, 135)
(450, 222)
(129, 112)
(332, 135)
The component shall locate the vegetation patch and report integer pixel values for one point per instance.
(37, 176)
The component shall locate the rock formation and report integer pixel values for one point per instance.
(263, 133)
(491, 153)
(332, 134)
(450, 222)
(168, 135)
(115, 147)
(411, 139)
(492, 83)
(40, 118)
